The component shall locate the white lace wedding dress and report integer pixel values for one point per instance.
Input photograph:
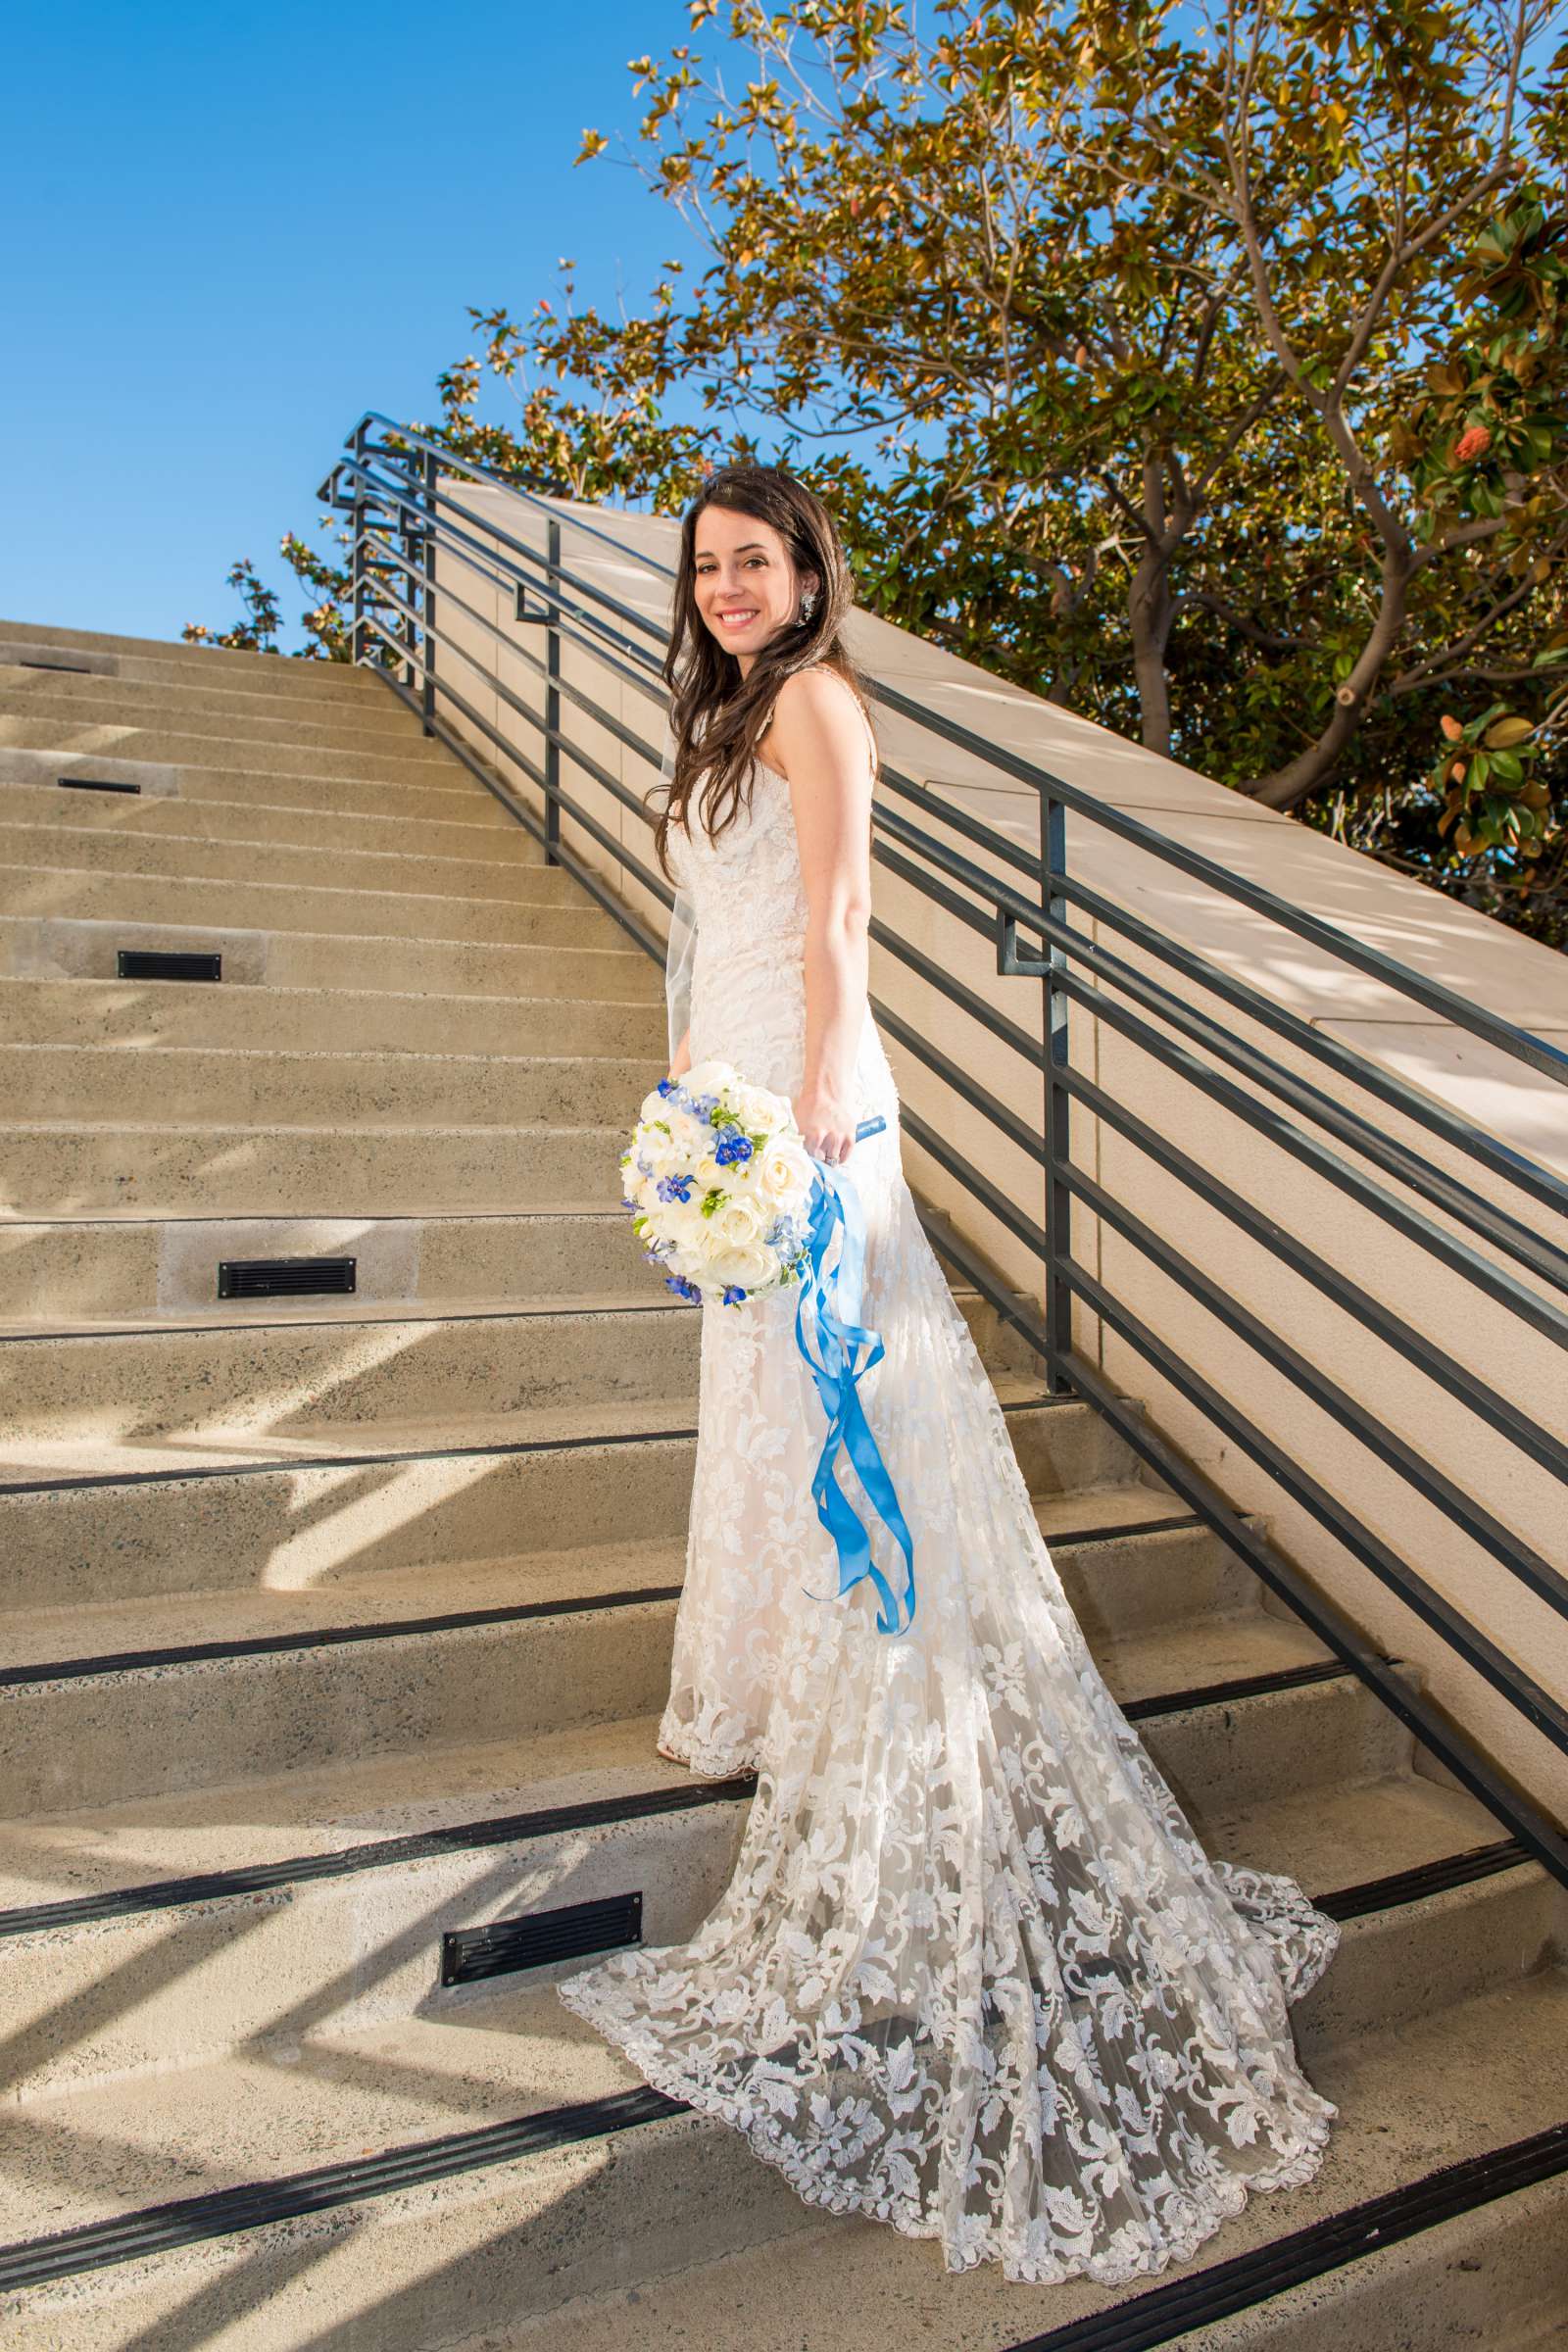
(973, 1974)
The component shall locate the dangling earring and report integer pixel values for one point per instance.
(808, 603)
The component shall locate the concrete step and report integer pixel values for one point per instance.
(104, 1523)
(247, 1171)
(173, 660)
(394, 1684)
(230, 773)
(596, 2204)
(479, 835)
(611, 1284)
(1107, 1566)
(1497, 2270)
(67, 947)
(366, 1021)
(139, 1698)
(1497, 2273)
(239, 1084)
(554, 917)
(244, 1913)
(195, 855)
(1492, 2279)
(298, 1379)
(80, 1274)
(281, 1367)
(415, 761)
(197, 706)
(268, 683)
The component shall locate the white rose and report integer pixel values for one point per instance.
(739, 1221)
(750, 1268)
(785, 1173)
(684, 1223)
(762, 1112)
(710, 1078)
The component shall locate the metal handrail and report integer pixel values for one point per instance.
(1431, 995)
(403, 515)
(1542, 1184)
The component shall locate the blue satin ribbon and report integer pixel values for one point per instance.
(839, 1350)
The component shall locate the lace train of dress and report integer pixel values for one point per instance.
(973, 1974)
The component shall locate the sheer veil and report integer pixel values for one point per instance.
(681, 948)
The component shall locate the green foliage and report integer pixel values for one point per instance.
(257, 633)
(326, 632)
(1216, 364)
(1206, 373)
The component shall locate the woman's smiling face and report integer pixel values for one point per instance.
(747, 585)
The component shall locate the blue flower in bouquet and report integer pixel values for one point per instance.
(733, 1293)
(733, 1146)
(681, 1286)
(674, 1187)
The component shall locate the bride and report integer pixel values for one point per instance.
(973, 1974)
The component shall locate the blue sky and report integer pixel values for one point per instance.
(233, 230)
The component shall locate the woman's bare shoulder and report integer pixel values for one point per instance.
(817, 713)
(818, 689)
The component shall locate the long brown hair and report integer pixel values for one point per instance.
(716, 716)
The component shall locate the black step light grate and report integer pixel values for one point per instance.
(96, 784)
(168, 963)
(287, 1277)
(507, 1944)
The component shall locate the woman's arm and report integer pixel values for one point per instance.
(682, 1060)
(821, 740)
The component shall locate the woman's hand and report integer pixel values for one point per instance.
(825, 1118)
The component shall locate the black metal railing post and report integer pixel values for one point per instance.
(410, 539)
(1058, 1097)
(357, 637)
(552, 692)
(427, 689)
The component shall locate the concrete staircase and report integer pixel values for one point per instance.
(331, 1626)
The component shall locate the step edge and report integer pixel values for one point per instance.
(683, 1433)
(247, 1879)
(155, 1656)
(1366, 2227)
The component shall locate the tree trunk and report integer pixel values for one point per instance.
(1151, 611)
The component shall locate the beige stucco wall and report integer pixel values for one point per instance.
(1524, 983)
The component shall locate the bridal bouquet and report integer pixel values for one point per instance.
(720, 1185)
(725, 1194)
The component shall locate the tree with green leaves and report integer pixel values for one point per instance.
(1206, 373)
